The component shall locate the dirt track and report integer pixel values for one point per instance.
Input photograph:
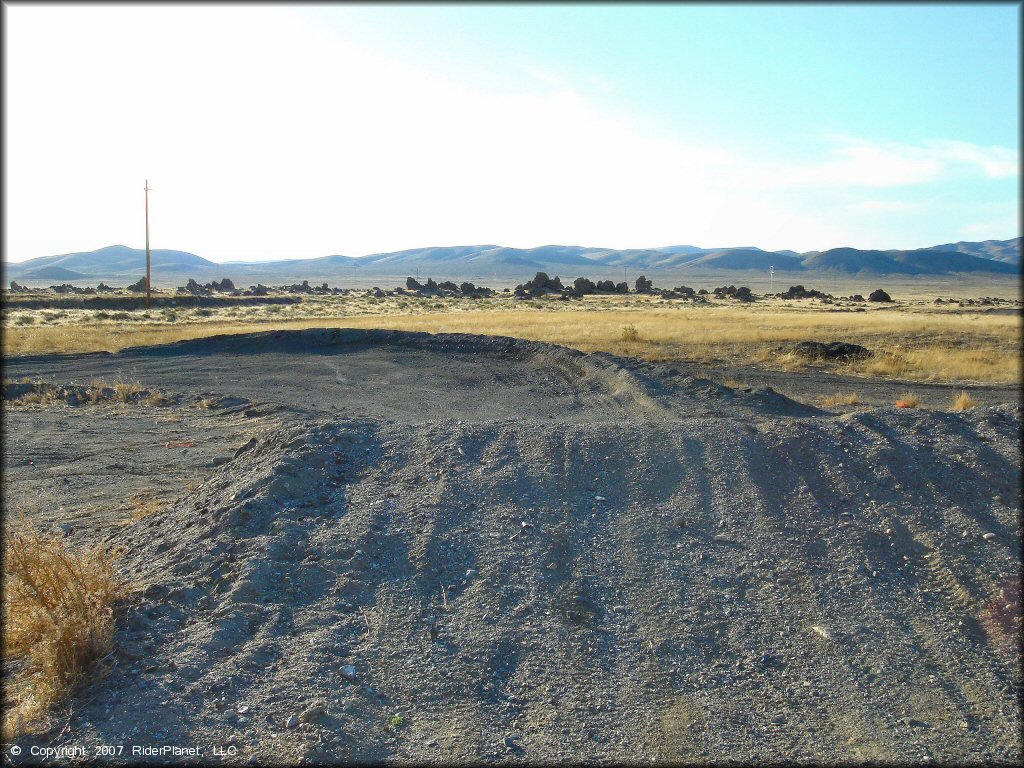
(533, 554)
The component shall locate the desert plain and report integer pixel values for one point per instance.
(378, 525)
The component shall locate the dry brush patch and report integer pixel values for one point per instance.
(840, 398)
(36, 392)
(915, 344)
(143, 505)
(963, 401)
(908, 400)
(58, 616)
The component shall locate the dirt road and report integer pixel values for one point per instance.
(461, 548)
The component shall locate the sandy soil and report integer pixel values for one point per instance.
(396, 546)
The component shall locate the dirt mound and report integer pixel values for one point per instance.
(672, 571)
(417, 377)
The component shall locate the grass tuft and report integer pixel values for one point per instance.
(908, 400)
(126, 391)
(962, 401)
(841, 398)
(58, 615)
(144, 505)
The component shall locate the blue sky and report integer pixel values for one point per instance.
(287, 131)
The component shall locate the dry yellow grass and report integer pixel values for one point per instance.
(58, 614)
(144, 505)
(918, 345)
(962, 401)
(841, 398)
(124, 391)
(630, 334)
(908, 400)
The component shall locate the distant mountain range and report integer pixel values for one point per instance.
(119, 262)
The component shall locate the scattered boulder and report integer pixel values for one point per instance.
(195, 288)
(139, 287)
(541, 285)
(742, 293)
(103, 287)
(18, 288)
(834, 350)
(584, 286)
(799, 292)
(643, 285)
(879, 295)
(447, 288)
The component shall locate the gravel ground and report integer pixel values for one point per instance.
(423, 548)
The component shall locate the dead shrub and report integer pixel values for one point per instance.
(126, 391)
(630, 334)
(962, 401)
(143, 505)
(158, 399)
(908, 400)
(58, 615)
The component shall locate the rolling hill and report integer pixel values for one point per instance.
(112, 261)
(119, 262)
(999, 250)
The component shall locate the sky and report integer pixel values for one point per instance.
(293, 131)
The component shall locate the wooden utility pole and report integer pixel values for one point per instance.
(148, 259)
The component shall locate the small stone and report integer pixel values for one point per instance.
(348, 672)
(988, 536)
(599, 498)
(242, 709)
(552, 566)
(312, 714)
(292, 722)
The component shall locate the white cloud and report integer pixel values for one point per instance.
(995, 162)
(888, 206)
(856, 162)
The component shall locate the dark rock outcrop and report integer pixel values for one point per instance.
(834, 350)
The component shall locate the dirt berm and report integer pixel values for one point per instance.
(478, 549)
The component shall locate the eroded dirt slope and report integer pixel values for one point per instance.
(530, 554)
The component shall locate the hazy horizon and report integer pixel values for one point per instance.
(288, 132)
(455, 245)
